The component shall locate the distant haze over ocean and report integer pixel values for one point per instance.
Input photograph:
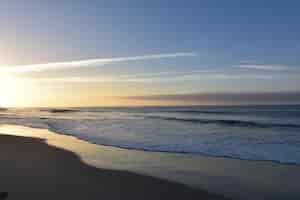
(230, 98)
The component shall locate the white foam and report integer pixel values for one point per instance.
(131, 131)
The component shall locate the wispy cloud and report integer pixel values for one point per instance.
(264, 67)
(156, 77)
(92, 62)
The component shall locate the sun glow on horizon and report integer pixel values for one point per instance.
(8, 90)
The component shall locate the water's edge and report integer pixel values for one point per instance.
(157, 151)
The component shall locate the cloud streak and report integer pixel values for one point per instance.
(92, 62)
(156, 77)
(263, 67)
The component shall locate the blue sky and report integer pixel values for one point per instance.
(236, 46)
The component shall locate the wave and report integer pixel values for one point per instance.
(274, 113)
(226, 122)
(60, 110)
(159, 133)
(3, 109)
(202, 112)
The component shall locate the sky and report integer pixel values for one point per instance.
(115, 53)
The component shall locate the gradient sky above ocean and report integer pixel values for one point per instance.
(179, 47)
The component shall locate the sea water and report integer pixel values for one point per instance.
(241, 132)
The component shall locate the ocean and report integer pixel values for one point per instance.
(269, 133)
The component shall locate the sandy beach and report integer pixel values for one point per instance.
(31, 169)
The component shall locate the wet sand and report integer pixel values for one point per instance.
(31, 169)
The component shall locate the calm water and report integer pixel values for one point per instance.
(252, 132)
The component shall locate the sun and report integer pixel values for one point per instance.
(8, 90)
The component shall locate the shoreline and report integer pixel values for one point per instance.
(229, 177)
(31, 169)
(202, 154)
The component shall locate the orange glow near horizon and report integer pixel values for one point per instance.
(18, 92)
(8, 90)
